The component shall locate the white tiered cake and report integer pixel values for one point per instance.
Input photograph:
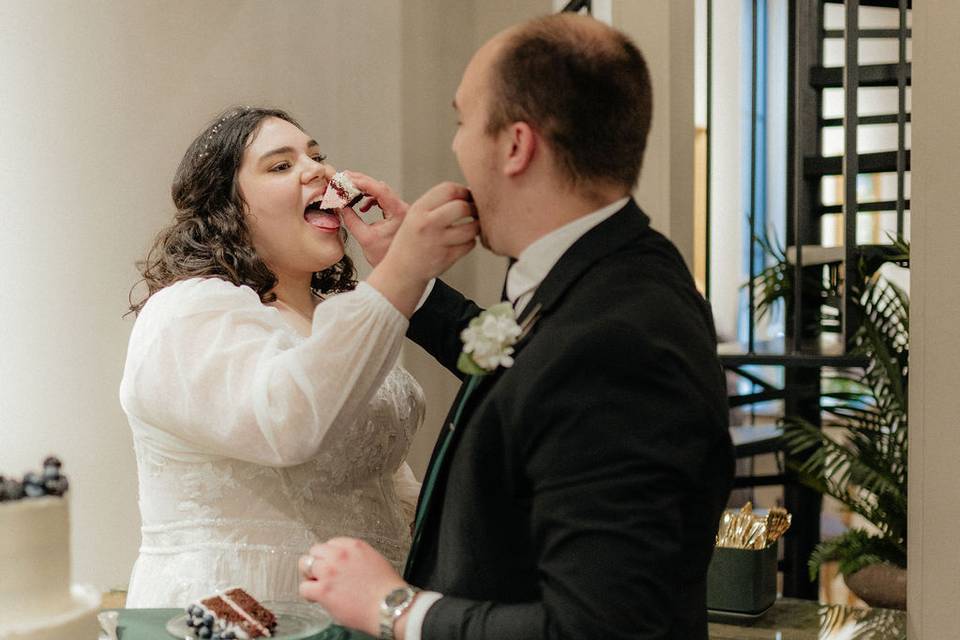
(37, 600)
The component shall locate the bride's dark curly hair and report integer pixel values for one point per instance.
(209, 235)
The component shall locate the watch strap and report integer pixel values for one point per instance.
(390, 612)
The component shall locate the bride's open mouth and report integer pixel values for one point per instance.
(321, 219)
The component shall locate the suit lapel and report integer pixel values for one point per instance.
(607, 237)
(527, 320)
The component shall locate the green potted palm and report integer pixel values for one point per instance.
(861, 460)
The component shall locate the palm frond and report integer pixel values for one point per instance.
(854, 550)
(832, 465)
(863, 461)
(867, 624)
(775, 281)
(882, 337)
(881, 624)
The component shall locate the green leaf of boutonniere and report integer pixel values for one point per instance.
(466, 364)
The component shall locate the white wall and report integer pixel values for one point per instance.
(99, 101)
(664, 32)
(730, 120)
(437, 47)
(934, 559)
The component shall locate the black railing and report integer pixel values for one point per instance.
(576, 5)
(799, 355)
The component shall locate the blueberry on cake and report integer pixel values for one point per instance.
(340, 193)
(231, 615)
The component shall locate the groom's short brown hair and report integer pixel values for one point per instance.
(586, 89)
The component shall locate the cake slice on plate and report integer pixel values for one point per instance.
(231, 615)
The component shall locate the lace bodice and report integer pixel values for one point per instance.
(216, 510)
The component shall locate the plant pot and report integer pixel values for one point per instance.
(880, 585)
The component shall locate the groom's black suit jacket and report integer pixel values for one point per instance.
(582, 489)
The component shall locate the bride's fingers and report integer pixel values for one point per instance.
(443, 194)
(388, 201)
(454, 212)
(370, 187)
(461, 233)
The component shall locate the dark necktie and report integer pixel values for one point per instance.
(503, 292)
(429, 484)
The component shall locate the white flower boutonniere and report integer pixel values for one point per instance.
(488, 340)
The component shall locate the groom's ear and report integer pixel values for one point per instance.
(520, 148)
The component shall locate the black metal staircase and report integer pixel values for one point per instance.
(801, 355)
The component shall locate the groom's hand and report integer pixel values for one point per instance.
(374, 238)
(349, 579)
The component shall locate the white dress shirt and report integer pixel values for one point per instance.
(538, 259)
(523, 278)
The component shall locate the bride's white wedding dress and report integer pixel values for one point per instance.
(254, 442)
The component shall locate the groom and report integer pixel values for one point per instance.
(577, 492)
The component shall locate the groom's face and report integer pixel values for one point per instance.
(474, 147)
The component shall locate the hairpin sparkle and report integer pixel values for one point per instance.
(216, 128)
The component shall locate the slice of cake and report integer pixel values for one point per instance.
(232, 614)
(340, 193)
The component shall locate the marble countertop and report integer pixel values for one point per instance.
(791, 619)
(788, 619)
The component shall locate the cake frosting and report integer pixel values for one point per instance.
(341, 192)
(36, 595)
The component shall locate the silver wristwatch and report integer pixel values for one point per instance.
(392, 607)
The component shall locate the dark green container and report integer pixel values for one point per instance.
(742, 580)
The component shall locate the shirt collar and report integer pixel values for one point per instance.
(536, 261)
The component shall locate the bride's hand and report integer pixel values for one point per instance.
(374, 238)
(438, 230)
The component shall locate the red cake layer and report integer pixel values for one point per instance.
(340, 193)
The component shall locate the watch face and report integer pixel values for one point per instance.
(397, 597)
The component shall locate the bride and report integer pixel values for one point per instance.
(261, 382)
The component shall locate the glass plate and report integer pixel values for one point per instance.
(295, 621)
